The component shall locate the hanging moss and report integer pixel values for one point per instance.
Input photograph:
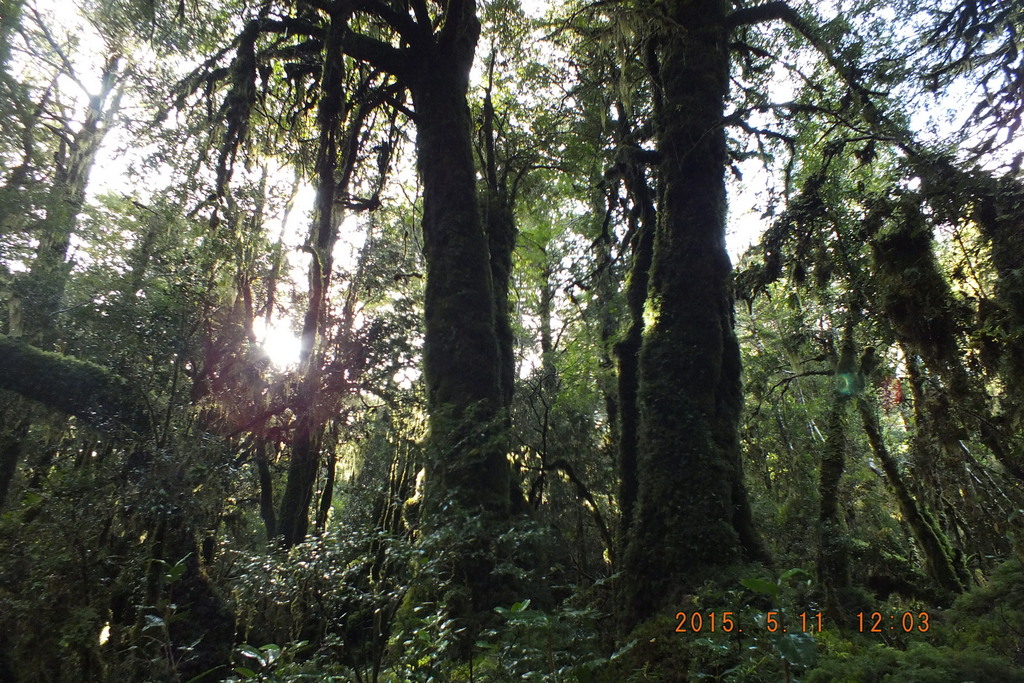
(912, 291)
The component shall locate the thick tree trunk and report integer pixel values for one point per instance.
(691, 516)
(468, 490)
(80, 388)
(303, 465)
(462, 362)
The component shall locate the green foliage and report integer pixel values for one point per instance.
(977, 639)
(536, 645)
(991, 616)
(921, 663)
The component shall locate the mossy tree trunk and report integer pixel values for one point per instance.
(627, 350)
(833, 536)
(468, 484)
(468, 493)
(39, 292)
(934, 544)
(500, 225)
(691, 517)
(462, 363)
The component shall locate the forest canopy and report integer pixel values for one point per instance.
(408, 340)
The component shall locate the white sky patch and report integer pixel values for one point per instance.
(745, 223)
(406, 378)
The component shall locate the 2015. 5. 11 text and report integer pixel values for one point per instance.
(727, 622)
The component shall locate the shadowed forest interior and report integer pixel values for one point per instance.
(469, 340)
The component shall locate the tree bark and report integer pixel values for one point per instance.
(691, 516)
(266, 491)
(462, 363)
(627, 351)
(933, 543)
(500, 225)
(80, 388)
(833, 536)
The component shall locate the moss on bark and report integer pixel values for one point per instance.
(691, 517)
(76, 387)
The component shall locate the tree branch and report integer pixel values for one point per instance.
(76, 387)
(759, 14)
(376, 53)
(409, 30)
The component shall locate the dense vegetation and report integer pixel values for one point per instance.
(400, 340)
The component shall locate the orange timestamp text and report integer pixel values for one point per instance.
(726, 622)
(906, 622)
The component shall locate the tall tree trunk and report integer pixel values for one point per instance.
(500, 225)
(691, 516)
(469, 483)
(462, 363)
(833, 536)
(627, 351)
(327, 497)
(304, 461)
(41, 289)
(933, 543)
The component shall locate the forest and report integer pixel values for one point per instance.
(588, 341)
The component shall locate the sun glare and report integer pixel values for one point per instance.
(279, 342)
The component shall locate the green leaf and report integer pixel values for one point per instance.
(769, 588)
(521, 606)
(153, 621)
(271, 653)
(799, 649)
(175, 573)
(795, 573)
(244, 672)
(249, 651)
